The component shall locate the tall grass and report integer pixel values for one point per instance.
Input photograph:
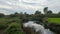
(14, 28)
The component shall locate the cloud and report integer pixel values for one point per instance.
(54, 5)
(29, 6)
(35, 1)
(5, 6)
(6, 11)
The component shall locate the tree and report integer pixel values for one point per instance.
(2, 15)
(49, 12)
(37, 12)
(16, 13)
(58, 12)
(45, 10)
(25, 13)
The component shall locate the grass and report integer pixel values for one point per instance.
(55, 20)
(6, 24)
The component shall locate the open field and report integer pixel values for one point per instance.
(55, 20)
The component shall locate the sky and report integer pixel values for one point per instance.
(30, 6)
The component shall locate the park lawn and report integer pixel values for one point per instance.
(55, 20)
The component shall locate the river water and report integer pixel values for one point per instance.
(37, 27)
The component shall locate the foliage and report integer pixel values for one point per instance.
(1, 15)
(54, 27)
(14, 28)
(37, 12)
(58, 12)
(49, 12)
(3, 23)
(45, 10)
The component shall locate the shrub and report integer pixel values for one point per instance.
(54, 27)
(14, 28)
(3, 25)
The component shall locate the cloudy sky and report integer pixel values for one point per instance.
(29, 6)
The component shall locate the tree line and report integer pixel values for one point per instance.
(48, 13)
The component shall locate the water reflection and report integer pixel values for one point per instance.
(37, 27)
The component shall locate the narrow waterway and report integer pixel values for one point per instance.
(37, 27)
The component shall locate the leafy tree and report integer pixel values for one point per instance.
(45, 10)
(25, 17)
(2, 15)
(37, 12)
(58, 12)
(38, 16)
(49, 12)
(16, 13)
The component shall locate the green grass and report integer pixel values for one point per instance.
(4, 22)
(55, 20)
(11, 25)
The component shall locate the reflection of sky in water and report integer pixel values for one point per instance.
(37, 27)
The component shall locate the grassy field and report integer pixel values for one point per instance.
(55, 20)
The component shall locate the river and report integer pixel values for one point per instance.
(37, 27)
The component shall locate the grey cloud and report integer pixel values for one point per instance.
(52, 4)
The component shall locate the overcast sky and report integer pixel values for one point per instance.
(29, 6)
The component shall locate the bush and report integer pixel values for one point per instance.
(3, 25)
(13, 28)
(54, 27)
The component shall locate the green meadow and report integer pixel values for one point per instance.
(54, 20)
